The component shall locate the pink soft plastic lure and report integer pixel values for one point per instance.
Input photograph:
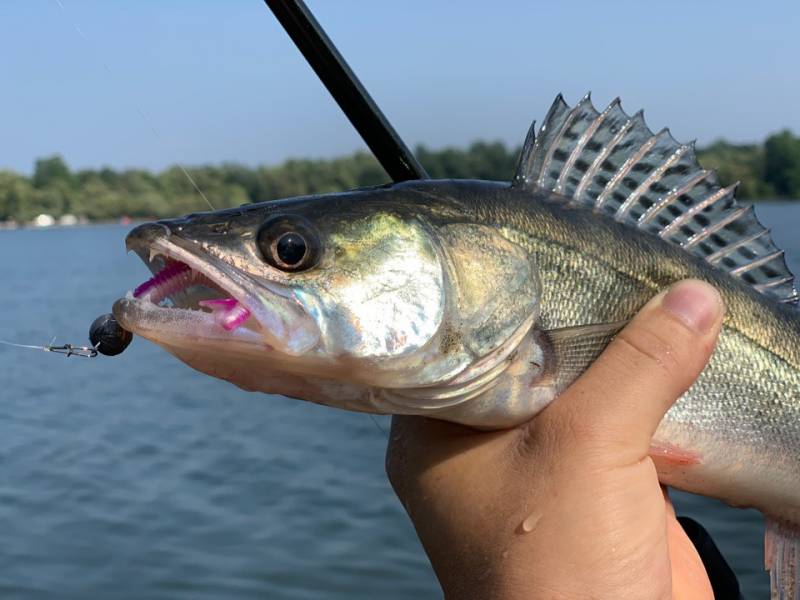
(165, 282)
(229, 313)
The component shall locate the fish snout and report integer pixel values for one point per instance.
(146, 235)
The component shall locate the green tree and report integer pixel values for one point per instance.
(50, 170)
(742, 163)
(782, 164)
(16, 197)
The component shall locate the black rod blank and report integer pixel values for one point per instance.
(376, 131)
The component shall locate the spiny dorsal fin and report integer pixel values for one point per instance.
(615, 164)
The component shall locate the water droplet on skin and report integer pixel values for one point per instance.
(530, 522)
(527, 526)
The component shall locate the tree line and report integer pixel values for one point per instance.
(770, 170)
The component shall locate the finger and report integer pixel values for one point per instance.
(689, 578)
(623, 396)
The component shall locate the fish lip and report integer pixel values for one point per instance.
(155, 239)
(135, 315)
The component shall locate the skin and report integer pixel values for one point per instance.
(568, 505)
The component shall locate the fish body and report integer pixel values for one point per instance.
(478, 302)
(741, 419)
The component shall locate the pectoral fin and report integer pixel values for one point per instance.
(573, 349)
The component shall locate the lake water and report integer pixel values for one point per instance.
(135, 477)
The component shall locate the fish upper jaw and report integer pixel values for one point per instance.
(197, 298)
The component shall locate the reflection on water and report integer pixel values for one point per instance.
(135, 477)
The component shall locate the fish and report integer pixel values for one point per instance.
(478, 302)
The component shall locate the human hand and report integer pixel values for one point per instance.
(567, 505)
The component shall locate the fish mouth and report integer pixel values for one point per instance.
(196, 297)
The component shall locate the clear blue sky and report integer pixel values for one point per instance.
(220, 81)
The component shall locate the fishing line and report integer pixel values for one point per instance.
(23, 345)
(65, 349)
(138, 110)
(378, 425)
(105, 333)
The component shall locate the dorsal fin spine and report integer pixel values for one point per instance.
(658, 173)
(720, 254)
(626, 167)
(699, 237)
(558, 105)
(603, 155)
(587, 135)
(686, 216)
(525, 162)
(527, 158)
(555, 142)
(613, 163)
(756, 263)
(655, 176)
(676, 192)
(763, 286)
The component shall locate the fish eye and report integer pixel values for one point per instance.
(288, 243)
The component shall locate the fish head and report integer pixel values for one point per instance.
(328, 298)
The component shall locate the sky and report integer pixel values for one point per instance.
(153, 83)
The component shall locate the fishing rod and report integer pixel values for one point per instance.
(107, 336)
(351, 96)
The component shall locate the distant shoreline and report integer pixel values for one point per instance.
(769, 171)
(6, 226)
(123, 222)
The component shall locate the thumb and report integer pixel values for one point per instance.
(617, 404)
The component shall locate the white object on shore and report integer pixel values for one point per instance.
(68, 220)
(43, 220)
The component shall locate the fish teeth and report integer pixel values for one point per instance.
(153, 254)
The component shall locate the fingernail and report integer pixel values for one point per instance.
(695, 303)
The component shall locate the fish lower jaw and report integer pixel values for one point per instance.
(182, 326)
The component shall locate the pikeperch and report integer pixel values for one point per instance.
(478, 302)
